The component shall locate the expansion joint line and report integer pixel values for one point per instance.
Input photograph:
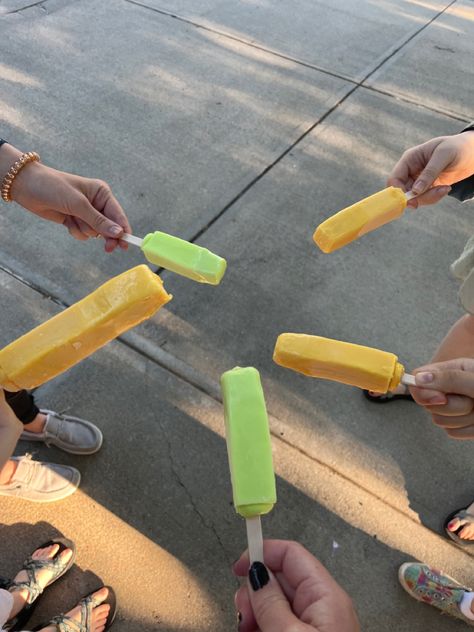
(356, 85)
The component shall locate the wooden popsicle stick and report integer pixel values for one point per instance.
(131, 239)
(255, 539)
(408, 380)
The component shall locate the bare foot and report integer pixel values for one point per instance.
(43, 576)
(99, 614)
(467, 531)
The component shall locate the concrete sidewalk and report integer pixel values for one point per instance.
(240, 125)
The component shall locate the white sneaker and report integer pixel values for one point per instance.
(41, 482)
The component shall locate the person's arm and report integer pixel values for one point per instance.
(10, 430)
(85, 206)
(292, 592)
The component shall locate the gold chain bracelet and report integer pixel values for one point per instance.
(14, 170)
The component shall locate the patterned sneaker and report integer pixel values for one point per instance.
(41, 482)
(434, 588)
(71, 434)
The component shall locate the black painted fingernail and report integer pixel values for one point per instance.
(258, 575)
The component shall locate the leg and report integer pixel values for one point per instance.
(24, 407)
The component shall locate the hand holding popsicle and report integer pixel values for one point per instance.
(430, 168)
(85, 206)
(446, 390)
(292, 591)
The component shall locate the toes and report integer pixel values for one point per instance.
(456, 523)
(102, 611)
(46, 553)
(65, 556)
(101, 595)
(467, 533)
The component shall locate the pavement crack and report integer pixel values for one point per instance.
(356, 84)
(208, 525)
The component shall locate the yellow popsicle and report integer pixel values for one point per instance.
(64, 340)
(361, 218)
(365, 367)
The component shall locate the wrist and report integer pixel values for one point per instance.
(14, 164)
(8, 156)
(20, 183)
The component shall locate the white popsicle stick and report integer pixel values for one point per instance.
(410, 195)
(408, 380)
(255, 539)
(131, 239)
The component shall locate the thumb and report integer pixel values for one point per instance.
(451, 381)
(438, 162)
(269, 604)
(84, 210)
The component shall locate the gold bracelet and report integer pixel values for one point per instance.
(14, 170)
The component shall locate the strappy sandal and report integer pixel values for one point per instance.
(462, 514)
(31, 566)
(386, 398)
(66, 624)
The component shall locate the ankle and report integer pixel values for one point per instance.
(37, 425)
(7, 472)
(20, 598)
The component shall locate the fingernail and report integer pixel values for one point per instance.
(424, 378)
(418, 187)
(258, 576)
(115, 231)
(445, 190)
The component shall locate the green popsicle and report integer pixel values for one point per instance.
(180, 256)
(248, 442)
